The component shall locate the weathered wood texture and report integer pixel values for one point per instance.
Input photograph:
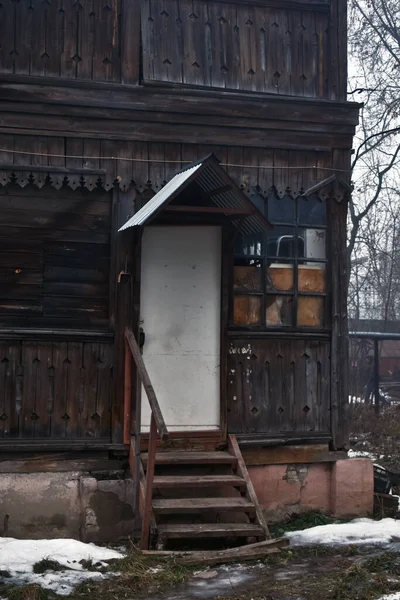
(122, 294)
(269, 46)
(69, 39)
(235, 46)
(146, 167)
(215, 557)
(241, 470)
(54, 257)
(340, 342)
(279, 387)
(55, 390)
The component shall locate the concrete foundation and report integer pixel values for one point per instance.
(68, 504)
(78, 505)
(344, 488)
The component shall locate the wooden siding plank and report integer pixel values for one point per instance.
(106, 62)
(194, 58)
(39, 56)
(231, 46)
(217, 29)
(23, 37)
(130, 42)
(69, 56)
(42, 390)
(309, 55)
(72, 401)
(28, 409)
(296, 71)
(89, 414)
(9, 409)
(85, 40)
(104, 396)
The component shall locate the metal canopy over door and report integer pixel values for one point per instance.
(180, 315)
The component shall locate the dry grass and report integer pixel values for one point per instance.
(47, 564)
(135, 573)
(27, 592)
(379, 436)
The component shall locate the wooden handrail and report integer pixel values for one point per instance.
(148, 387)
(157, 423)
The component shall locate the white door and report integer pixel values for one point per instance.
(180, 304)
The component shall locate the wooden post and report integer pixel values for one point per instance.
(127, 393)
(148, 500)
(376, 377)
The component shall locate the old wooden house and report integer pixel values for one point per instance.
(174, 183)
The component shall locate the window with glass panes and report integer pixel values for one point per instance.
(279, 277)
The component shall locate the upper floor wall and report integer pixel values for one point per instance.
(288, 47)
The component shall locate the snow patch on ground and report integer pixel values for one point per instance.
(18, 557)
(395, 596)
(359, 531)
(361, 454)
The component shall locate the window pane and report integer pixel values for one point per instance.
(312, 211)
(247, 276)
(247, 310)
(310, 311)
(281, 210)
(249, 245)
(312, 278)
(314, 242)
(281, 243)
(278, 310)
(279, 277)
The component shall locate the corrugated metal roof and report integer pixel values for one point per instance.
(164, 195)
(210, 176)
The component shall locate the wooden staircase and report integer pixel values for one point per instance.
(186, 495)
(202, 495)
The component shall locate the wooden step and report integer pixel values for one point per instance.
(201, 505)
(206, 530)
(182, 481)
(192, 458)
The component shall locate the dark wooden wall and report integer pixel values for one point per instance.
(291, 47)
(54, 257)
(279, 386)
(236, 46)
(144, 167)
(101, 103)
(55, 390)
(94, 40)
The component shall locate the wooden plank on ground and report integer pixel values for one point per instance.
(211, 557)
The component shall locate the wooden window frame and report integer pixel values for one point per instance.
(264, 258)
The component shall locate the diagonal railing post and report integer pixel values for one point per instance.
(157, 424)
